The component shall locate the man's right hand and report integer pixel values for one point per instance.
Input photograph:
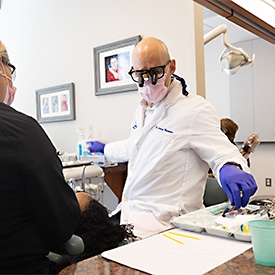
(96, 146)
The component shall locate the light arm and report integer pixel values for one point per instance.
(232, 58)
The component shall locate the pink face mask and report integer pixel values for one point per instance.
(10, 93)
(153, 93)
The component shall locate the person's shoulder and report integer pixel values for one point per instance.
(10, 112)
(196, 105)
(199, 99)
(196, 97)
(26, 118)
(193, 99)
(18, 119)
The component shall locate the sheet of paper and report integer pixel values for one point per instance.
(162, 255)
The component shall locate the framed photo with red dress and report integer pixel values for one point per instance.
(55, 103)
(112, 64)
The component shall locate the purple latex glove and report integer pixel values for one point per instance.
(237, 184)
(96, 146)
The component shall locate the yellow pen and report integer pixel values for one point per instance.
(173, 239)
(185, 236)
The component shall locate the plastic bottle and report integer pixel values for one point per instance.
(80, 142)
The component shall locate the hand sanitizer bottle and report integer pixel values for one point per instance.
(81, 140)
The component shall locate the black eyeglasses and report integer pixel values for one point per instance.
(155, 73)
(13, 72)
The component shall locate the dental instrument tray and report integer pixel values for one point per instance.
(223, 220)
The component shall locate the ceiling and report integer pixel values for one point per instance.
(234, 32)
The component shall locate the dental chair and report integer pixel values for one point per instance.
(213, 193)
(72, 247)
(88, 178)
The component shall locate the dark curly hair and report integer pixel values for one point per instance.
(98, 232)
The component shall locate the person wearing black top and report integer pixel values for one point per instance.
(38, 209)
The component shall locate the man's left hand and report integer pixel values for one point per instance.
(237, 184)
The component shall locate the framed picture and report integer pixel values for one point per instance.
(55, 103)
(112, 64)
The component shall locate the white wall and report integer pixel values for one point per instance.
(51, 43)
(262, 167)
(218, 94)
(217, 82)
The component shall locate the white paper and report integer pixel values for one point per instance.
(162, 256)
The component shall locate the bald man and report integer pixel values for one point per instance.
(175, 137)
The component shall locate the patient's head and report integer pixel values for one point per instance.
(95, 228)
(83, 200)
(230, 128)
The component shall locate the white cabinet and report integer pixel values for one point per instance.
(252, 92)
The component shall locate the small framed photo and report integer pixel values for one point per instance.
(55, 103)
(112, 64)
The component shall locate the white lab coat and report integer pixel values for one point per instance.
(169, 157)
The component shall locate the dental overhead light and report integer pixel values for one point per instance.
(232, 58)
